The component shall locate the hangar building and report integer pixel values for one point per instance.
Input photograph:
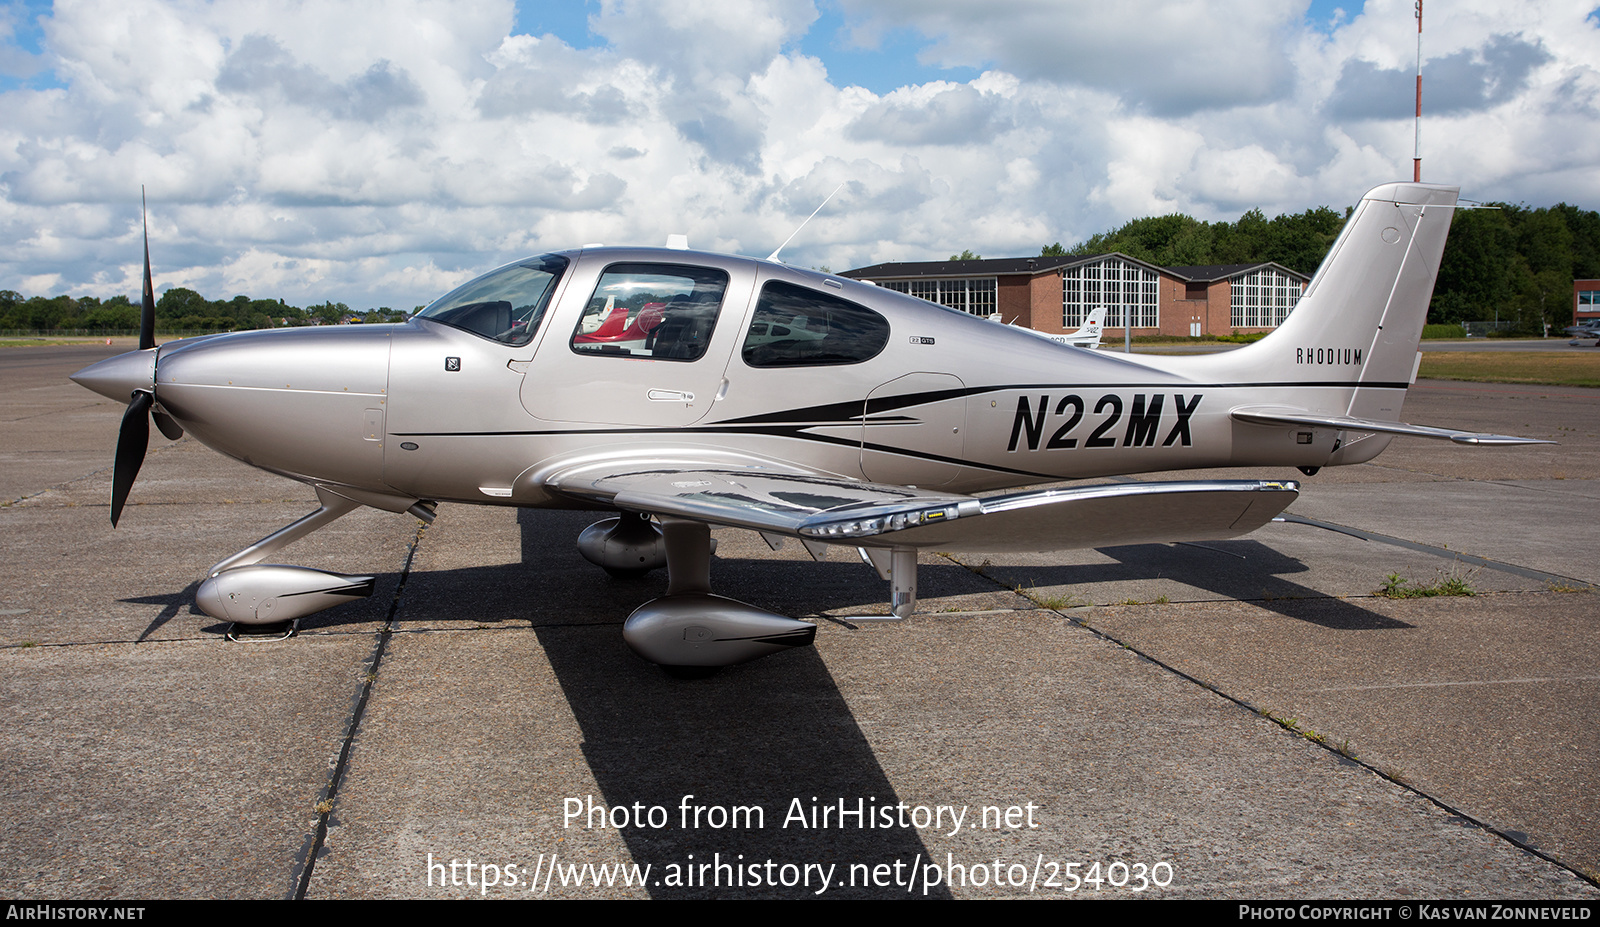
(1053, 294)
(1585, 301)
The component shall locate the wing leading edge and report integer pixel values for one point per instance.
(830, 510)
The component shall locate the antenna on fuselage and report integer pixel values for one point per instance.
(774, 255)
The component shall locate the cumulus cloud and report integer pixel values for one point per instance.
(1464, 81)
(535, 76)
(934, 114)
(376, 153)
(1170, 58)
(694, 41)
(707, 52)
(259, 65)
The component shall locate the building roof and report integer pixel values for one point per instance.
(1211, 273)
(990, 267)
(1033, 266)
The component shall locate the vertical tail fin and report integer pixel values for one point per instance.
(1357, 329)
(1361, 317)
(1095, 321)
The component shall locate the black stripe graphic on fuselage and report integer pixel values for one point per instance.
(793, 423)
(846, 413)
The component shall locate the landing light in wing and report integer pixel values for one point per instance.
(867, 527)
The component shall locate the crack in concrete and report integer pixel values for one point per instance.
(1442, 552)
(306, 859)
(1344, 755)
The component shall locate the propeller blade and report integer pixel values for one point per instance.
(131, 444)
(168, 425)
(147, 315)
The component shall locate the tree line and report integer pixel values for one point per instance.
(1507, 262)
(178, 309)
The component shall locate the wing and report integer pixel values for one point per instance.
(1269, 415)
(832, 510)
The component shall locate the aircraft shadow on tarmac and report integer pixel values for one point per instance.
(774, 734)
(172, 604)
(551, 570)
(764, 734)
(1243, 570)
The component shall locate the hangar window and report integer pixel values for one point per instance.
(660, 311)
(975, 295)
(506, 304)
(1119, 286)
(798, 327)
(1263, 299)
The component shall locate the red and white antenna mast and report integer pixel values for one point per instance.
(1416, 151)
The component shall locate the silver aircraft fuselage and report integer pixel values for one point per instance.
(425, 410)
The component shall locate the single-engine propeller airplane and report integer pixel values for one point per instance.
(679, 390)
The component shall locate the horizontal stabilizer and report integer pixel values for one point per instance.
(1258, 415)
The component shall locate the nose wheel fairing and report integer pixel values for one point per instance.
(267, 593)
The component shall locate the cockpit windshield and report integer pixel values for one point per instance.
(506, 305)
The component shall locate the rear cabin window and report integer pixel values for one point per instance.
(660, 311)
(799, 327)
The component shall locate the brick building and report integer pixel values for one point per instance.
(1053, 294)
(1585, 301)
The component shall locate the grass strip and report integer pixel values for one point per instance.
(1539, 368)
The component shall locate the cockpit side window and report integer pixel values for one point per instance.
(660, 311)
(505, 305)
(799, 327)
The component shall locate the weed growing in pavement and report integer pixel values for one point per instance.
(1396, 586)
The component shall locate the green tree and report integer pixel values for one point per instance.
(180, 303)
(1516, 263)
(1475, 272)
(115, 313)
(1298, 242)
(327, 313)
